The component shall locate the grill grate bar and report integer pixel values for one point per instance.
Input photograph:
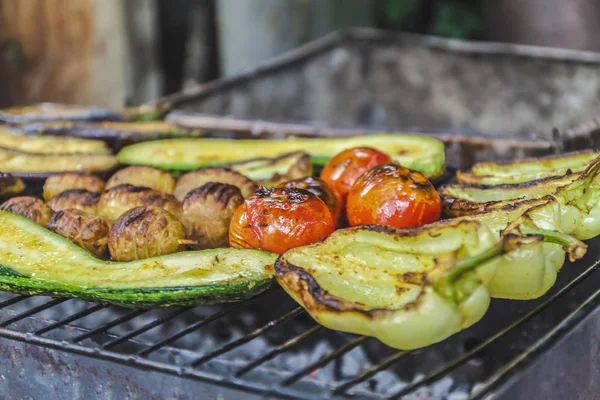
(101, 329)
(190, 329)
(278, 350)
(72, 318)
(468, 355)
(545, 342)
(14, 300)
(325, 360)
(147, 327)
(366, 374)
(245, 339)
(32, 311)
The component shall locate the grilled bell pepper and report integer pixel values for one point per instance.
(409, 288)
(529, 272)
(527, 169)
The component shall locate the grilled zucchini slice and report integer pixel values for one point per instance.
(420, 153)
(34, 260)
(10, 139)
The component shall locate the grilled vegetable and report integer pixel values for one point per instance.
(10, 186)
(111, 131)
(78, 199)
(345, 168)
(197, 178)
(145, 232)
(55, 112)
(58, 183)
(17, 162)
(115, 201)
(270, 172)
(29, 207)
(319, 188)
(207, 213)
(465, 199)
(394, 196)
(151, 177)
(409, 288)
(85, 230)
(420, 153)
(50, 144)
(527, 169)
(48, 264)
(279, 219)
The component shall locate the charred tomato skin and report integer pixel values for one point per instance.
(393, 195)
(321, 189)
(346, 167)
(279, 219)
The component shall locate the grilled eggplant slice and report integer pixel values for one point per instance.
(145, 232)
(207, 212)
(58, 183)
(85, 230)
(48, 264)
(466, 199)
(527, 169)
(10, 186)
(151, 177)
(26, 164)
(10, 139)
(119, 199)
(129, 132)
(270, 172)
(420, 153)
(78, 199)
(199, 177)
(29, 207)
(380, 282)
(56, 112)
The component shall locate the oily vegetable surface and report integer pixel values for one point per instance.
(34, 260)
(420, 153)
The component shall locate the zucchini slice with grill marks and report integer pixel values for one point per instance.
(11, 139)
(420, 153)
(34, 260)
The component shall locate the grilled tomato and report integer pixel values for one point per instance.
(280, 219)
(393, 195)
(345, 168)
(321, 189)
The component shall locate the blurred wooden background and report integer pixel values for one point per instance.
(115, 52)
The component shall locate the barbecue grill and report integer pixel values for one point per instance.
(268, 346)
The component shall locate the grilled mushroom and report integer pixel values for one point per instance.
(79, 199)
(115, 201)
(207, 212)
(199, 177)
(58, 183)
(144, 232)
(29, 207)
(151, 177)
(85, 230)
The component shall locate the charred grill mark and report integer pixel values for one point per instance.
(127, 188)
(80, 196)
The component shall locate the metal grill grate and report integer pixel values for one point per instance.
(129, 345)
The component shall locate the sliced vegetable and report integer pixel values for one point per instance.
(408, 288)
(420, 153)
(10, 139)
(35, 260)
(58, 183)
(527, 169)
(199, 177)
(270, 172)
(465, 199)
(55, 112)
(79, 199)
(143, 175)
(21, 163)
(115, 201)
